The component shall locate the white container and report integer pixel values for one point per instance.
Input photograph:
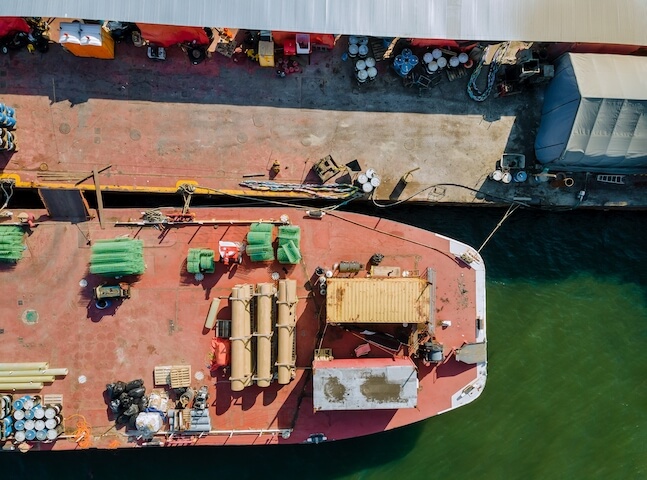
(367, 187)
(370, 172)
(375, 181)
(454, 62)
(29, 425)
(507, 177)
(352, 40)
(463, 57)
(51, 423)
(436, 53)
(496, 175)
(52, 434)
(362, 179)
(19, 436)
(360, 65)
(442, 62)
(427, 57)
(39, 425)
(19, 414)
(432, 67)
(372, 73)
(362, 75)
(353, 49)
(370, 62)
(363, 51)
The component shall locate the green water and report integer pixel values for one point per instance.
(567, 389)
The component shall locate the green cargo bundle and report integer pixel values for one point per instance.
(117, 257)
(259, 242)
(289, 244)
(201, 260)
(11, 243)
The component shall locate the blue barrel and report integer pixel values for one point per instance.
(6, 422)
(20, 424)
(520, 176)
(406, 53)
(6, 121)
(41, 435)
(30, 435)
(7, 110)
(17, 404)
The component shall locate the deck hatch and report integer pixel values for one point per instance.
(378, 300)
(365, 384)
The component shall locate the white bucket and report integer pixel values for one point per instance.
(367, 187)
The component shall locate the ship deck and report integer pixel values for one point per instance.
(49, 315)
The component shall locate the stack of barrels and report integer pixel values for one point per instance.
(368, 181)
(435, 61)
(7, 125)
(405, 62)
(26, 418)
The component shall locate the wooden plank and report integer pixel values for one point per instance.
(97, 187)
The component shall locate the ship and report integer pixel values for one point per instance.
(232, 326)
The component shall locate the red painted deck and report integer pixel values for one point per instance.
(162, 324)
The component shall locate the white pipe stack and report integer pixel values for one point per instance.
(28, 375)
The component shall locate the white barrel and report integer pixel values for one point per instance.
(436, 53)
(370, 62)
(360, 65)
(19, 414)
(286, 324)
(362, 40)
(367, 187)
(463, 57)
(52, 434)
(29, 424)
(372, 73)
(432, 67)
(428, 57)
(442, 62)
(241, 345)
(454, 62)
(39, 425)
(265, 295)
(39, 413)
(496, 175)
(362, 75)
(507, 177)
(50, 423)
(353, 49)
(370, 172)
(363, 51)
(352, 40)
(375, 181)
(19, 436)
(362, 179)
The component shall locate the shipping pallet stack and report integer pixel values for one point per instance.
(7, 125)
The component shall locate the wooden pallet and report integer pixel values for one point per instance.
(177, 376)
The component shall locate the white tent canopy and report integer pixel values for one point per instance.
(594, 116)
(596, 21)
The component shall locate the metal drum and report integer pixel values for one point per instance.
(375, 181)
(406, 53)
(370, 172)
(362, 179)
(432, 67)
(362, 76)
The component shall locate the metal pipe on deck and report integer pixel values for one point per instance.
(21, 386)
(265, 293)
(24, 366)
(287, 301)
(57, 372)
(241, 353)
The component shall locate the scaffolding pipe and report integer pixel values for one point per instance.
(57, 372)
(20, 386)
(24, 366)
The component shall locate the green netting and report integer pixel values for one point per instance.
(11, 243)
(259, 242)
(290, 232)
(117, 257)
(257, 238)
(288, 253)
(201, 260)
(261, 227)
